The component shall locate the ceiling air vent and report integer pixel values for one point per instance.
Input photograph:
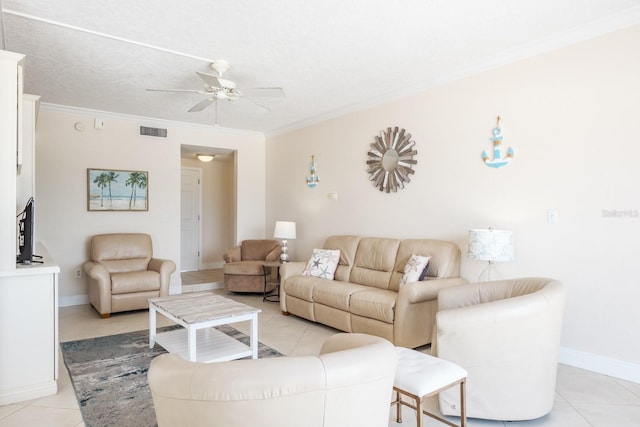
(149, 131)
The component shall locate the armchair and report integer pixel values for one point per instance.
(243, 268)
(123, 273)
(506, 334)
(348, 384)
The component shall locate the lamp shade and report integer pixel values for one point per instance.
(490, 245)
(285, 230)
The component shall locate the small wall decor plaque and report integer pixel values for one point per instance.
(312, 178)
(117, 190)
(497, 161)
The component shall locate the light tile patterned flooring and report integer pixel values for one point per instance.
(583, 398)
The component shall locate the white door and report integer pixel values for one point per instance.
(190, 219)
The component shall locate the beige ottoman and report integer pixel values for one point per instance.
(419, 375)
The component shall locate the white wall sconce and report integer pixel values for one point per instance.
(284, 230)
(490, 245)
(312, 179)
(205, 157)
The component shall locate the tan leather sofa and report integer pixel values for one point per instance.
(243, 271)
(122, 273)
(366, 296)
(506, 334)
(348, 384)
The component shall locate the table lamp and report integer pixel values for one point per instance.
(285, 230)
(490, 245)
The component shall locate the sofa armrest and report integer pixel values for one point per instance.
(412, 293)
(288, 269)
(99, 286)
(416, 308)
(165, 267)
(232, 255)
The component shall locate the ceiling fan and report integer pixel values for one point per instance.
(216, 88)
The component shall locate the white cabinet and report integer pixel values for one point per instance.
(10, 121)
(28, 293)
(29, 330)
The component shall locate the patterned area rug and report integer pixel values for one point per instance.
(109, 375)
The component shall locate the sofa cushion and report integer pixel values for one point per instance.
(336, 294)
(374, 262)
(347, 245)
(135, 281)
(302, 287)
(375, 304)
(246, 268)
(323, 263)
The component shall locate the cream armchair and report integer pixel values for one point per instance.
(123, 273)
(348, 384)
(506, 334)
(243, 268)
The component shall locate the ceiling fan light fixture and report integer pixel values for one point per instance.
(205, 157)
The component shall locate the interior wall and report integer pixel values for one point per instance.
(217, 209)
(572, 118)
(63, 155)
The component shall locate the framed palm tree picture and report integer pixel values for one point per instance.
(117, 190)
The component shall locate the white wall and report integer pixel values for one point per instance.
(572, 117)
(63, 155)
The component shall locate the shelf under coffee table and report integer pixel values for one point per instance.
(199, 313)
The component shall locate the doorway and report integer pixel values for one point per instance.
(208, 198)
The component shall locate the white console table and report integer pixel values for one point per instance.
(29, 330)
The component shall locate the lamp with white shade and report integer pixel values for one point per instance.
(490, 245)
(284, 230)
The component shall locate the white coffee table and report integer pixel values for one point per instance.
(198, 313)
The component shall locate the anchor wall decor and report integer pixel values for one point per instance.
(312, 179)
(497, 161)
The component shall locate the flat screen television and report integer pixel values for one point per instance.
(25, 234)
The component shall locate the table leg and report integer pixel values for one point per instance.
(152, 325)
(192, 343)
(253, 336)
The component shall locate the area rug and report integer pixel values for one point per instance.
(109, 376)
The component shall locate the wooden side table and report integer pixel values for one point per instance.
(267, 267)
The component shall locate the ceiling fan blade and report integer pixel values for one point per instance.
(210, 79)
(202, 105)
(271, 92)
(178, 90)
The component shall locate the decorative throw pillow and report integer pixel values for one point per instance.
(323, 263)
(414, 268)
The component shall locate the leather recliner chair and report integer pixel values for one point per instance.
(123, 274)
(506, 334)
(348, 384)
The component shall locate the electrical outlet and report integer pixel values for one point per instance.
(78, 272)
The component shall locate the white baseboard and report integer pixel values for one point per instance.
(73, 300)
(600, 364)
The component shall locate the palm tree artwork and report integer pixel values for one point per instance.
(124, 190)
(136, 180)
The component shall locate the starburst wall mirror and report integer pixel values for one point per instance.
(391, 159)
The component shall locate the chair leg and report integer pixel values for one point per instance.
(398, 407)
(463, 405)
(419, 411)
(105, 315)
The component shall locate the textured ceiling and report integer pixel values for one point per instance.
(330, 56)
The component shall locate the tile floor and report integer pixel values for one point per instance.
(583, 398)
